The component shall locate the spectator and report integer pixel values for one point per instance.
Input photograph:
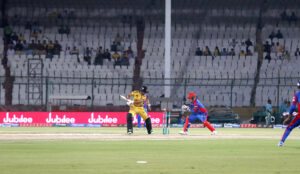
(268, 57)
(297, 53)
(124, 59)
(57, 48)
(129, 53)
(67, 30)
(99, 50)
(279, 48)
(224, 52)
(198, 52)
(68, 51)
(207, 51)
(45, 45)
(40, 35)
(21, 37)
(61, 30)
(119, 46)
(286, 55)
(40, 48)
(248, 43)
(279, 35)
(74, 51)
(216, 52)
(118, 38)
(10, 51)
(113, 47)
(267, 47)
(32, 47)
(87, 55)
(28, 25)
(249, 53)
(242, 53)
(231, 53)
(19, 47)
(272, 35)
(116, 56)
(99, 57)
(25, 45)
(106, 55)
(14, 37)
(34, 35)
(293, 17)
(283, 16)
(50, 47)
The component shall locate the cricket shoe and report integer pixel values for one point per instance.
(214, 133)
(281, 143)
(152, 132)
(129, 133)
(183, 133)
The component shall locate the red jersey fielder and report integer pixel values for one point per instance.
(198, 112)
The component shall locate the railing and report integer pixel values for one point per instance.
(106, 91)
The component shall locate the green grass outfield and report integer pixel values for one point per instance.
(207, 156)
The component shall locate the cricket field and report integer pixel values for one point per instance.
(111, 151)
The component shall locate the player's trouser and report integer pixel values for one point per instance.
(268, 118)
(141, 111)
(194, 117)
(138, 110)
(291, 126)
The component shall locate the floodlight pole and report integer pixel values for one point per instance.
(167, 48)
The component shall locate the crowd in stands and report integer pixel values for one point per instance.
(226, 51)
(277, 48)
(42, 45)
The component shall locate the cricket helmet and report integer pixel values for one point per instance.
(298, 84)
(191, 95)
(144, 89)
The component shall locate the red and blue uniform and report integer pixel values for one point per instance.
(198, 113)
(296, 121)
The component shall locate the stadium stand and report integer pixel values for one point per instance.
(233, 72)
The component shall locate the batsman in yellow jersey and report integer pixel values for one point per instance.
(137, 107)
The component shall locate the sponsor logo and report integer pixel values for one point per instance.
(153, 120)
(16, 119)
(102, 120)
(77, 125)
(94, 125)
(58, 119)
(277, 126)
(217, 125)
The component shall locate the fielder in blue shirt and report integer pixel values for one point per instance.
(296, 121)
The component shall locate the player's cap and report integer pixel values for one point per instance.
(144, 89)
(191, 95)
(298, 84)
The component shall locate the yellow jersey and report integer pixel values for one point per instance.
(138, 96)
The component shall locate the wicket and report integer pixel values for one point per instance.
(166, 123)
